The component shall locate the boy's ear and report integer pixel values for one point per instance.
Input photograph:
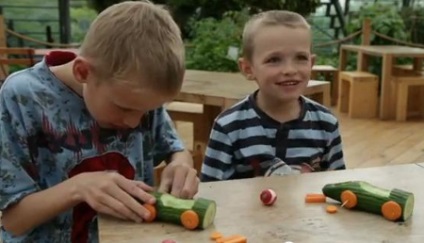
(313, 59)
(246, 68)
(81, 69)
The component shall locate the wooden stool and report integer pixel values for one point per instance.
(330, 73)
(358, 94)
(401, 86)
(192, 113)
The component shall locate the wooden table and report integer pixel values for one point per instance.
(389, 53)
(290, 219)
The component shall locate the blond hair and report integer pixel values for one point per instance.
(269, 18)
(136, 40)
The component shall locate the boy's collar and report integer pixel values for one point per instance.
(56, 58)
(270, 120)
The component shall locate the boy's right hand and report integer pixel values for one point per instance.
(113, 194)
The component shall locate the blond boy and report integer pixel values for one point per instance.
(275, 130)
(80, 134)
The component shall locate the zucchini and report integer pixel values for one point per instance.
(395, 204)
(170, 209)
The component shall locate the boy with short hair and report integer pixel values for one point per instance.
(80, 134)
(275, 130)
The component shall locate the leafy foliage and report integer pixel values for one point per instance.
(212, 38)
(385, 19)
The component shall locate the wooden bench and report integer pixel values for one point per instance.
(402, 85)
(320, 91)
(330, 73)
(14, 56)
(358, 94)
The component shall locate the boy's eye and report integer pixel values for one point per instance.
(302, 57)
(273, 59)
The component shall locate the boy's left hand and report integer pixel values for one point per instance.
(180, 180)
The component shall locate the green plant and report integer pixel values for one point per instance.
(81, 19)
(385, 19)
(211, 40)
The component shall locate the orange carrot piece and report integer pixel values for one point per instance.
(233, 239)
(152, 211)
(240, 239)
(331, 209)
(215, 235)
(348, 199)
(315, 198)
(391, 210)
(190, 219)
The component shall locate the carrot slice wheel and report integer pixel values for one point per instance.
(189, 219)
(348, 199)
(331, 209)
(152, 211)
(391, 210)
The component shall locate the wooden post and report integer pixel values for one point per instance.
(3, 44)
(2, 29)
(366, 32)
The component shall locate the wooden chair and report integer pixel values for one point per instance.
(15, 56)
(402, 86)
(358, 94)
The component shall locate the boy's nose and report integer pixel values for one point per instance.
(288, 69)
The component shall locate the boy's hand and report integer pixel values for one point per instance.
(113, 194)
(180, 180)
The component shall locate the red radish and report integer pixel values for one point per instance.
(268, 197)
(169, 241)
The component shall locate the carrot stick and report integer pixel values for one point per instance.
(315, 198)
(391, 210)
(233, 239)
(240, 239)
(348, 199)
(152, 211)
(190, 219)
(331, 209)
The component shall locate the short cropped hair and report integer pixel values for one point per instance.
(136, 40)
(269, 18)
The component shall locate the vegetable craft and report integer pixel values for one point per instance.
(191, 213)
(394, 205)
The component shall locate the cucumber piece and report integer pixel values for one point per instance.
(371, 198)
(170, 208)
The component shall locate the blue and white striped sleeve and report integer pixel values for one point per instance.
(217, 164)
(334, 151)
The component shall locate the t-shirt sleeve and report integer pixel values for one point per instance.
(166, 139)
(334, 152)
(17, 172)
(218, 156)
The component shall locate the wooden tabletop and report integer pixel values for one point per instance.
(289, 219)
(43, 52)
(218, 88)
(380, 50)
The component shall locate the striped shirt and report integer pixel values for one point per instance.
(245, 142)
